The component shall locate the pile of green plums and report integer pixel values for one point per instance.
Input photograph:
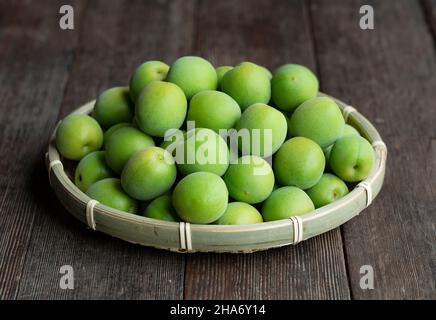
(127, 162)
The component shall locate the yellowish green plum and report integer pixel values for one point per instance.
(110, 193)
(200, 197)
(78, 135)
(146, 73)
(193, 74)
(91, 169)
(267, 72)
(267, 128)
(113, 106)
(328, 189)
(240, 213)
(160, 106)
(349, 130)
(214, 110)
(352, 158)
(248, 84)
(286, 202)
(202, 150)
(250, 179)
(112, 129)
(318, 119)
(161, 208)
(122, 144)
(291, 85)
(149, 173)
(220, 72)
(299, 162)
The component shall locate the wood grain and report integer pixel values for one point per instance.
(312, 270)
(35, 56)
(115, 37)
(389, 74)
(263, 32)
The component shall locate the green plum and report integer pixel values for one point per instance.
(299, 162)
(214, 110)
(112, 129)
(352, 158)
(149, 173)
(161, 208)
(327, 152)
(90, 169)
(328, 189)
(202, 150)
(288, 120)
(267, 129)
(238, 213)
(113, 106)
(349, 130)
(247, 83)
(146, 73)
(193, 74)
(220, 72)
(267, 72)
(291, 85)
(78, 135)
(160, 106)
(250, 179)
(319, 119)
(200, 197)
(110, 193)
(286, 202)
(122, 144)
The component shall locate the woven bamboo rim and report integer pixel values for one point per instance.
(185, 237)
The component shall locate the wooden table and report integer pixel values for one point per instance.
(388, 73)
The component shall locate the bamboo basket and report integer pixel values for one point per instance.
(185, 237)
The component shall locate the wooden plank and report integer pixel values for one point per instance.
(389, 74)
(115, 37)
(263, 32)
(312, 270)
(34, 58)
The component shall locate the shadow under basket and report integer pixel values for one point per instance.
(185, 237)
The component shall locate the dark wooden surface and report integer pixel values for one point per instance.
(389, 73)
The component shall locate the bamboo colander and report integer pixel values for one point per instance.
(185, 237)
